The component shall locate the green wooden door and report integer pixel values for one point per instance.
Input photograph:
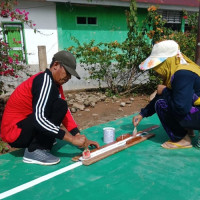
(14, 37)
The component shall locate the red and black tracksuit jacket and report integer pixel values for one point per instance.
(35, 95)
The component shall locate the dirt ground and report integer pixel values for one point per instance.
(106, 111)
(109, 111)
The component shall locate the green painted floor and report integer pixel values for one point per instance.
(144, 171)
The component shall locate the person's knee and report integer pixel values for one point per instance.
(161, 104)
(61, 105)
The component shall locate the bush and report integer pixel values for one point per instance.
(114, 63)
(4, 147)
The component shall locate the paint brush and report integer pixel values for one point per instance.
(135, 129)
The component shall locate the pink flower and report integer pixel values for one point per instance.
(17, 61)
(10, 60)
(3, 12)
(185, 17)
(4, 44)
(34, 24)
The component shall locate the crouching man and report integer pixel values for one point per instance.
(36, 109)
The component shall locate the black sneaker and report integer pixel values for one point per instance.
(40, 156)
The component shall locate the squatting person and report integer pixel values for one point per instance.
(177, 102)
(36, 109)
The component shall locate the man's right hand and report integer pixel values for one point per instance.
(77, 140)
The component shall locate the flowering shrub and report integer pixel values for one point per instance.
(10, 64)
(117, 63)
(187, 43)
(114, 63)
(155, 26)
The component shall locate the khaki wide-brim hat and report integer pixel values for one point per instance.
(160, 52)
(68, 61)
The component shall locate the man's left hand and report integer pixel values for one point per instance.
(89, 143)
(92, 144)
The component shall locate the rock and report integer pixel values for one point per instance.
(122, 104)
(102, 97)
(92, 104)
(73, 110)
(79, 100)
(70, 102)
(120, 109)
(69, 96)
(114, 97)
(131, 99)
(94, 115)
(107, 100)
(78, 106)
(129, 102)
(86, 103)
(87, 110)
(93, 99)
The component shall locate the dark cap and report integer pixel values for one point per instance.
(68, 61)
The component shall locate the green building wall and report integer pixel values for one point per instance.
(111, 23)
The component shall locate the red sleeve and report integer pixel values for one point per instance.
(68, 120)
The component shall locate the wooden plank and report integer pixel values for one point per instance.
(124, 136)
(128, 144)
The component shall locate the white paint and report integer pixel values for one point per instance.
(38, 180)
(108, 148)
(108, 135)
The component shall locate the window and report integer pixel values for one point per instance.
(173, 18)
(92, 20)
(13, 35)
(87, 20)
(81, 20)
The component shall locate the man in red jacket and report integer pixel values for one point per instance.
(36, 109)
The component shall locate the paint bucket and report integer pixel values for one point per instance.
(108, 135)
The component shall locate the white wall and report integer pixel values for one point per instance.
(43, 14)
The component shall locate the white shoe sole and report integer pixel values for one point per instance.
(30, 161)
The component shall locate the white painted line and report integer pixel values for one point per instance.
(38, 180)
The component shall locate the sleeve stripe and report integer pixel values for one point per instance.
(40, 107)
